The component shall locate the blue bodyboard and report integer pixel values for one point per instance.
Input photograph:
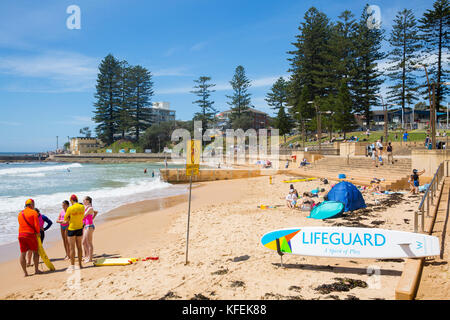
(327, 210)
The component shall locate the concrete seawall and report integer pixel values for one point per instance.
(109, 157)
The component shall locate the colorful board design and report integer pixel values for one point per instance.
(344, 242)
(43, 255)
(327, 210)
(114, 261)
(299, 180)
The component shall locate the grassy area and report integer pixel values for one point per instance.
(122, 144)
(394, 135)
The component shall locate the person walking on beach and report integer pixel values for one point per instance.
(88, 232)
(74, 216)
(405, 136)
(60, 220)
(28, 231)
(380, 151)
(42, 220)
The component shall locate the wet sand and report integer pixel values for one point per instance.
(227, 260)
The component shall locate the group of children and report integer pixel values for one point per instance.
(306, 202)
(375, 151)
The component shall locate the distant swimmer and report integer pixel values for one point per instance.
(153, 173)
(145, 170)
(68, 170)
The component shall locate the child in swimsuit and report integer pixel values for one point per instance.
(88, 221)
(64, 226)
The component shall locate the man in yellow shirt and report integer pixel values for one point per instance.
(74, 216)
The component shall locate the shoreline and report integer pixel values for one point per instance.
(227, 260)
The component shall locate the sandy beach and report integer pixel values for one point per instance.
(227, 260)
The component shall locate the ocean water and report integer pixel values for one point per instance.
(109, 185)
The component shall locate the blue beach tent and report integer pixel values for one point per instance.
(348, 194)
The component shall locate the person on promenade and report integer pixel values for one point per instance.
(63, 225)
(414, 180)
(28, 231)
(74, 216)
(390, 157)
(405, 136)
(427, 141)
(88, 232)
(42, 220)
(380, 151)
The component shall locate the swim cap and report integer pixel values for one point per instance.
(29, 201)
(74, 198)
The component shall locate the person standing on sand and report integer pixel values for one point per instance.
(60, 220)
(88, 221)
(74, 216)
(42, 220)
(415, 181)
(28, 231)
(390, 157)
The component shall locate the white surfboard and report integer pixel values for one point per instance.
(343, 242)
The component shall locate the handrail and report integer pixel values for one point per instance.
(431, 190)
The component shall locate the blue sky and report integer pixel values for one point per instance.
(48, 72)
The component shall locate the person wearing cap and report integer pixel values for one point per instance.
(29, 229)
(415, 181)
(74, 216)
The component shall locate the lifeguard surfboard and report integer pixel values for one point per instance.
(43, 255)
(344, 242)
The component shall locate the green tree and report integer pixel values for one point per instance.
(435, 26)
(203, 92)
(283, 123)
(404, 56)
(344, 118)
(277, 97)
(107, 99)
(86, 132)
(124, 110)
(141, 93)
(240, 101)
(366, 77)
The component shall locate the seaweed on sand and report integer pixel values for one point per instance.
(342, 284)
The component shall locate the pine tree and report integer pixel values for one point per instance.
(435, 26)
(240, 101)
(124, 118)
(366, 78)
(207, 113)
(107, 99)
(277, 97)
(344, 118)
(141, 93)
(404, 56)
(283, 123)
(310, 68)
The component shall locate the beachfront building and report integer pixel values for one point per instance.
(83, 145)
(160, 112)
(260, 119)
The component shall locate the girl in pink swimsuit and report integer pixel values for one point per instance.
(88, 232)
(64, 226)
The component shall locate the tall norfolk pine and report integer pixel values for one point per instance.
(203, 92)
(122, 99)
(404, 56)
(434, 27)
(107, 98)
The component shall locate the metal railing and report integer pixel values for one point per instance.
(428, 198)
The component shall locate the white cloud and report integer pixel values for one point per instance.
(198, 46)
(50, 72)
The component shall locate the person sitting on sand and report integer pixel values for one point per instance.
(28, 230)
(375, 184)
(291, 199)
(307, 203)
(291, 188)
(60, 220)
